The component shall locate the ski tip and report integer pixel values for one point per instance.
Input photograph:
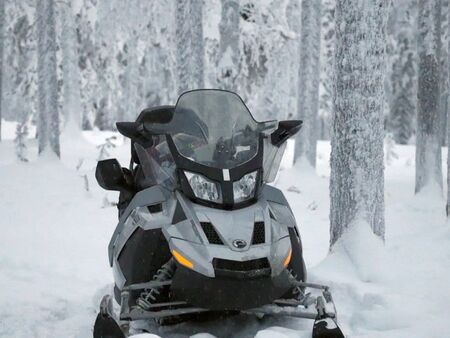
(106, 327)
(326, 328)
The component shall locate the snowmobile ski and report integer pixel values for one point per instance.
(105, 325)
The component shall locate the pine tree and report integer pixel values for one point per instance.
(308, 81)
(189, 41)
(228, 65)
(428, 141)
(356, 181)
(48, 121)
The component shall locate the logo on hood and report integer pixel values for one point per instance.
(239, 243)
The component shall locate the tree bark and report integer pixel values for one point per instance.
(428, 141)
(48, 119)
(228, 65)
(308, 81)
(189, 41)
(357, 168)
(2, 39)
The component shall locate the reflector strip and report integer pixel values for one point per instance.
(182, 260)
(226, 174)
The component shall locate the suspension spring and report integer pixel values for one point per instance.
(149, 296)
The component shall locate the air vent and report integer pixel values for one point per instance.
(254, 264)
(155, 208)
(211, 233)
(271, 215)
(259, 233)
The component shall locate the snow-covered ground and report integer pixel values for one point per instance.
(54, 236)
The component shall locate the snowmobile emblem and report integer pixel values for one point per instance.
(239, 243)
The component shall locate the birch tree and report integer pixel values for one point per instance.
(2, 39)
(308, 81)
(428, 142)
(48, 119)
(228, 65)
(189, 42)
(356, 181)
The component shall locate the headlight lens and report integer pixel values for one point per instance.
(245, 187)
(204, 188)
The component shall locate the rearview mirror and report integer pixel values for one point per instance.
(110, 176)
(285, 130)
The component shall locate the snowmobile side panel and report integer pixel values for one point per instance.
(273, 194)
(142, 255)
(149, 196)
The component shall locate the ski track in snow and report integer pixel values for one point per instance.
(54, 267)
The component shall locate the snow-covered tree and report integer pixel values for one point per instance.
(308, 81)
(279, 90)
(158, 61)
(403, 77)
(189, 42)
(428, 141)
(86, 63)
(444, 92)
(71, 104)
(448, 124)
(356, 181)
(21, 141)
(2, 28)
(48, 120)
(228, 65)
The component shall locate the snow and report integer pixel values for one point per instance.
(54, 267)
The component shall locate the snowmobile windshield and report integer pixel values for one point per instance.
(215, 128)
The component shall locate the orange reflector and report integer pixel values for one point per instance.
(288, 258)
(183, 261)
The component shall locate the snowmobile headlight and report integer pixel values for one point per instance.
(245, 187)
(204, 188)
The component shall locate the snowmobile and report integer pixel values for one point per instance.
(200, 231)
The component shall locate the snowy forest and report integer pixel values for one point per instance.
(367, 176)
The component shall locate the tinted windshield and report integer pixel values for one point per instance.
(215, 128)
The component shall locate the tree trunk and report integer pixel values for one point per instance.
(428, 141)
(189, 41)
(448, 125)
(71, 74)
(357, 181)
(2, 39)
(228, 65)
(48, 119)
(308, 81)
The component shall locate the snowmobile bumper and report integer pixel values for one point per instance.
(227, 291)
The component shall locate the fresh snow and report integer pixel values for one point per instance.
(54, 267)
